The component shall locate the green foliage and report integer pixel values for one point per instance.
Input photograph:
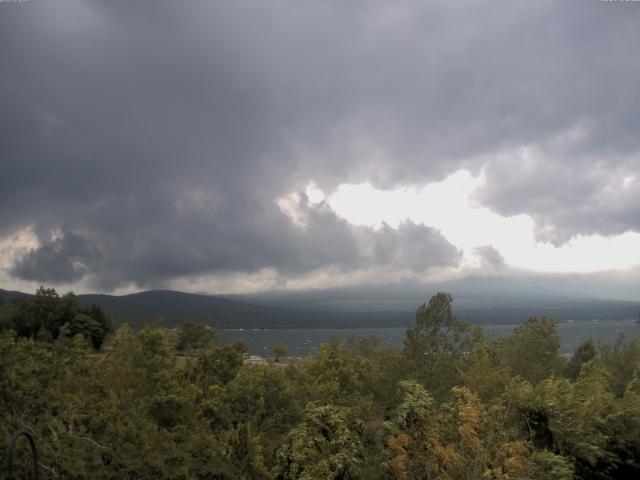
(546, 465)
(583, 421)
(7, 314)
(335, 375)
(533, 350)
(585, 352)
(436, 344)
(280, 350)
(622, 359)
(217, 364)
(485, 372)
(459, 439)
(194, 336)
(325, 446)
(46, 315)
(453, 404)
(86, 326)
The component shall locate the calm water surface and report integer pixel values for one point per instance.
(304, 341)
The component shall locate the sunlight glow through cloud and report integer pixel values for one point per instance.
(449, 206)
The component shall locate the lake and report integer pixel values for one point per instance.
(302, 342)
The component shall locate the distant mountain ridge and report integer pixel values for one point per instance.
(173, 307)
(475, 302)
(8, 295)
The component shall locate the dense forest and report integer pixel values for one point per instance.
(453, 403)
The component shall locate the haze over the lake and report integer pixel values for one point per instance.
(238, 147)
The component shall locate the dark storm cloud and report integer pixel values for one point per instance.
(67, 259)
(155, 136)
(568, 193)
(152, 253)
(414, 247)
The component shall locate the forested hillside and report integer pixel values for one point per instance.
(452, 403)
(170, 308)
(481, 302)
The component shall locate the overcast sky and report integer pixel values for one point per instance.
(237, 146)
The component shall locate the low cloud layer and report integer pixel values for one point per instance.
(143, 142)
(152, 256)
(490, 258)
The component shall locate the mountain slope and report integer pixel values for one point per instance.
(9, 295)
(392, 306)
(173, 308)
